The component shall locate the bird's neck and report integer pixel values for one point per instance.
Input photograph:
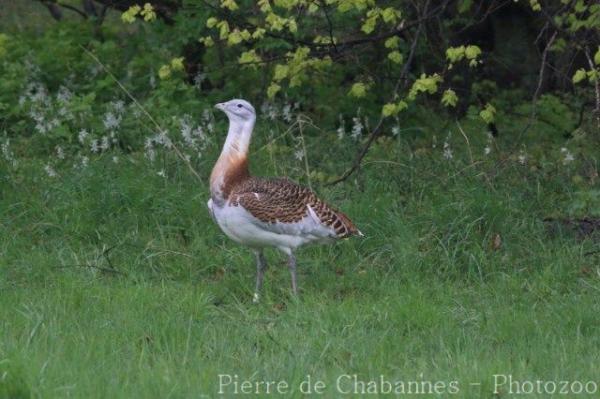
(232, 166)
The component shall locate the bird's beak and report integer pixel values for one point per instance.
(220, 106)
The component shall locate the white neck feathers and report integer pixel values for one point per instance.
(238, 138)
(232, 165)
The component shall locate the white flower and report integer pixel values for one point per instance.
(40, 127)
(94, 147)
(162, 138)
(60, 153)
(115, 159)
(6, 150)
(111, 121)
(149, 149)
(357, 127)
(269, 110)
(206, 115)
(84, 161)
(50, 171)
(7, 153)
(199, 133)
(522, 158)
(341, 130)
(286, 113)
(568, 157)
(82, 135)
(64, 95)
(105, 144)
(186, 130)
(487, 150)
(447, 151)
(161, 173)
(299, 154)
(118, 106)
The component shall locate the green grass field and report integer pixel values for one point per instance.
(115, 283)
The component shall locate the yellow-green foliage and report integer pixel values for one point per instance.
(358, 48)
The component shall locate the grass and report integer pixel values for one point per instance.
(116, 283)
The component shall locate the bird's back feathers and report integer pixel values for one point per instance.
(282, 201)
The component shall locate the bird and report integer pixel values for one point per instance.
(266, 212)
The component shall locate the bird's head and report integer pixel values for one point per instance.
(237, 110)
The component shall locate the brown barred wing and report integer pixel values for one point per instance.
(283, 201)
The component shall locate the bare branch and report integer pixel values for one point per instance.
(536, 94)
(55, 11)
(74, 9)
(597, 85)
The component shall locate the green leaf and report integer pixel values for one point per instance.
(177, 64)
(273, 89)
(472, 52)
(390, 15)
(389, 110)
(358, 90)
(580, 74)
(424, 84)
(369, 25)
(281, 72)
(597, 57)
(396, 57)
(292, 26)
(164, 72)
(535, 5)
(488, 113)
(455, 54)
(392, 42)
(211, 22)
(229, 4)
(449, 98)
(235, 37)
(249, 57)
(223, 29)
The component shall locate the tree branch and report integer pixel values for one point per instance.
(377, 130)
(536, 94)
(597, 85)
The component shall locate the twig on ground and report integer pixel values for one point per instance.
(102, 269)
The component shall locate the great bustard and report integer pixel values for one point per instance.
(261, 213)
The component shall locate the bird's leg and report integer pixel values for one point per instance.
(292, 266)
(261, 266)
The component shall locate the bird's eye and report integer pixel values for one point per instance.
(239, 105)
